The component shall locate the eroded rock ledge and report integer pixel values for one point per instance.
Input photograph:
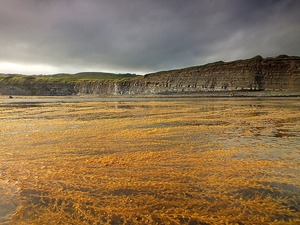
(279, 74)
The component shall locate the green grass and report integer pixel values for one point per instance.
(87, 76)
(17, 79)
(63, 77)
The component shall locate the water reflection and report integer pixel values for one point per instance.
(8, 200)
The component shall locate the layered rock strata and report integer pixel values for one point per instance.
(280, 74)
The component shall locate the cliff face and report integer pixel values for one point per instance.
(257, 74)
(31, 86)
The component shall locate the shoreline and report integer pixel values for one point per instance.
(231, 94)
(7, 99)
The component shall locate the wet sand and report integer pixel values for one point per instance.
(149, 161)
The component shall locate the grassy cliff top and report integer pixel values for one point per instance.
(65, 77)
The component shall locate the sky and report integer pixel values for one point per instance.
(141, 36)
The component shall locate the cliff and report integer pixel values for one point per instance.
(280, 74)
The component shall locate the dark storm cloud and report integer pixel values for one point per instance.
(144, 35)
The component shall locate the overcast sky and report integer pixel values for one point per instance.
(141, 36)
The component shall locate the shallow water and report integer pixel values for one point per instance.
(149, 161)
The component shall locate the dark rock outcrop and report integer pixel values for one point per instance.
(280, 74)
